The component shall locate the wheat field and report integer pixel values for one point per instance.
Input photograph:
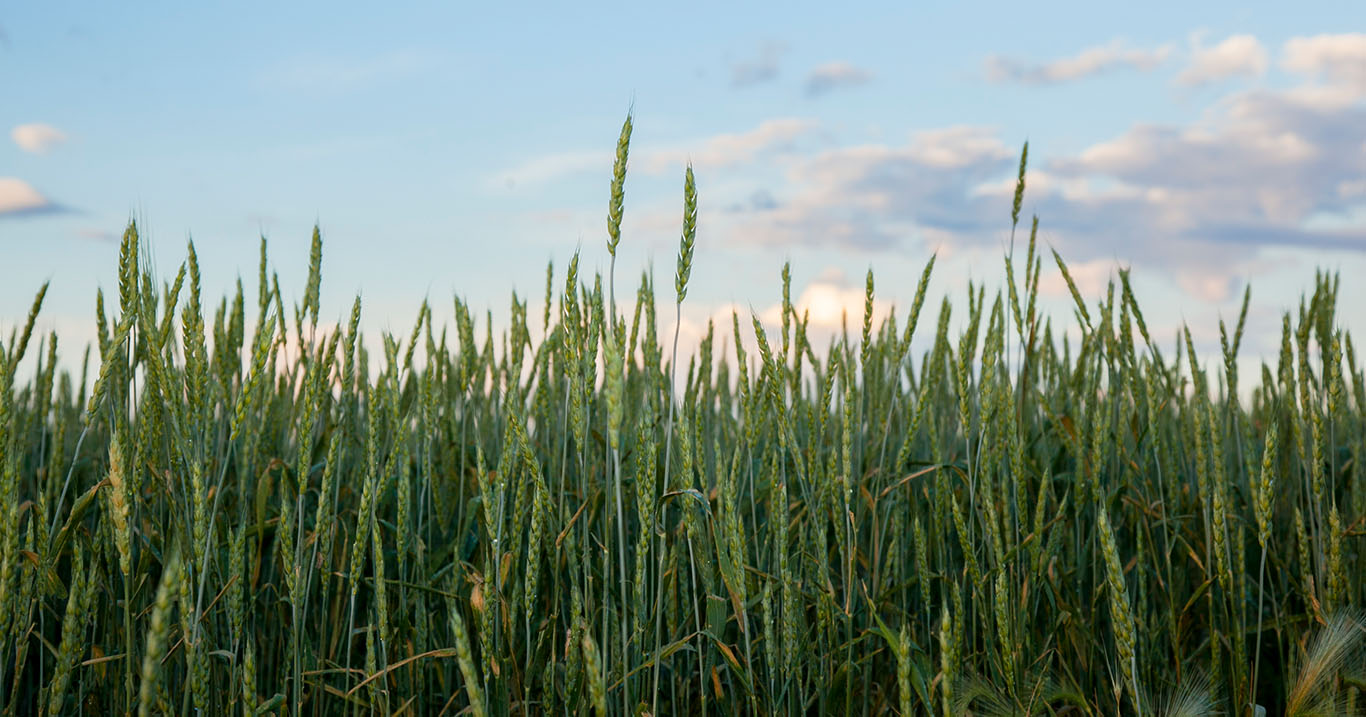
(253, 515)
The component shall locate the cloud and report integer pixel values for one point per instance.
(834, 76)
(1203, 204)
(759, 200)
(551, 167)
(18, 199)
(1091, 61)
(1210, 287)
(730, 149)
(344, 74)
(1270, 159)
(1090, 277)
(829, 300)
(37, 138)
(1341, 59)
(1263, 169)
(99, 235)
(757, 70)
(1042, 182)
(769, 138)
(1352, 188)
(957, 147)
(1202, 200)
(1237, 55)
(876, 196)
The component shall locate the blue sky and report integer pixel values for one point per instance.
(447, 149)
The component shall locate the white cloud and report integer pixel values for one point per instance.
(1237, 55)
(1199, 202)
(1202, 200)
(1041, 182)
(551, 167)
(1341, 59)
(876, 196)
(834, 76)
(957, 147)
(770, 137)
(17, 197)
(1202, 204)
(1091, 61)
(829, 300)
(725, 150)
(37, 138)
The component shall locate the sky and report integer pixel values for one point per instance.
(450, 149)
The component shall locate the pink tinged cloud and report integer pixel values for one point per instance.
(17, 196)
(1341, 59)
(37, 138)
(1239, 55)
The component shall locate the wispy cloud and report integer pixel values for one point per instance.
(1238, 55)
(1088, 62)
(98, 235)
(759, 69)
(769, 138)
(37, 138)
(18, 199)
(834, 76)
(551, 167)
(344, 74)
